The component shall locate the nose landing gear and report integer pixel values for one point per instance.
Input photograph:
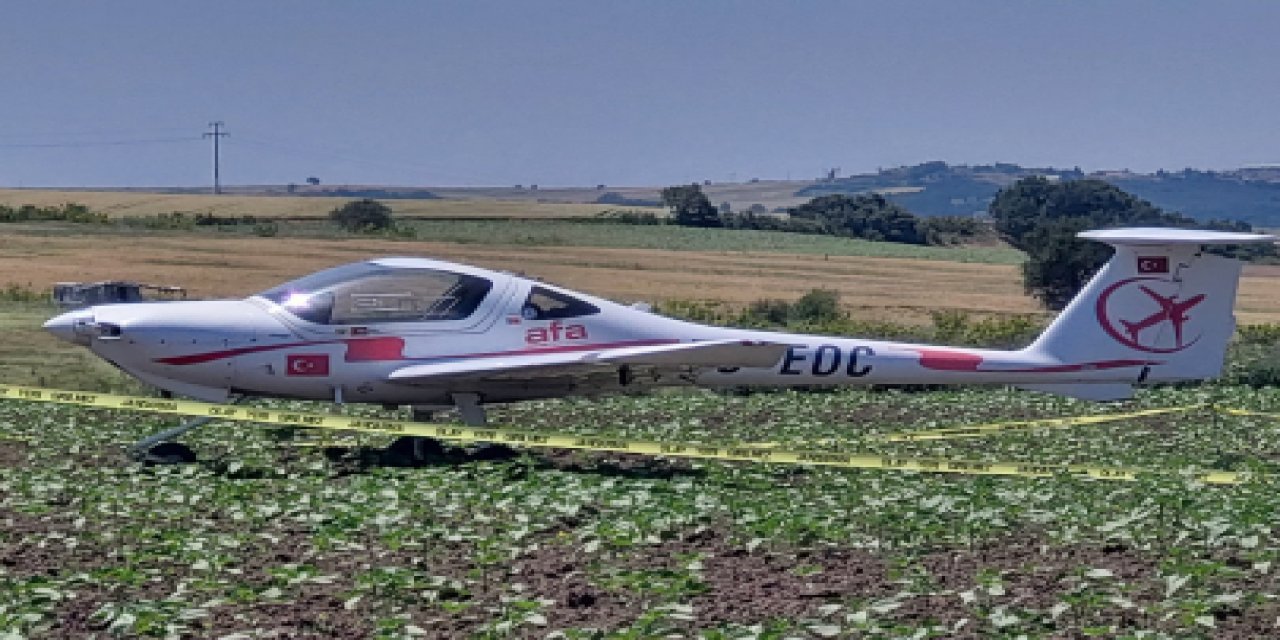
(159, 448)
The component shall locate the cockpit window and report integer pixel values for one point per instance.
(366, 293)
(545, 304)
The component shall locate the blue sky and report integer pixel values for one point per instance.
(639, 93)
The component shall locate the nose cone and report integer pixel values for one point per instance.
(66, 326)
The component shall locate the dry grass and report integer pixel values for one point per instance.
(137, 203)
(216, 266)
(899, 289)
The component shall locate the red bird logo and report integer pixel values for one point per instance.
(1171, 310)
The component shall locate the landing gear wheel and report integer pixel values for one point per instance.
(415, 448)
(492, 451)
(167, 453)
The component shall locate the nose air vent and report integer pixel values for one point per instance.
(84, 326)
(108, 331)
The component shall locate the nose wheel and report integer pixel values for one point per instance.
(166, 453)
(159, 448)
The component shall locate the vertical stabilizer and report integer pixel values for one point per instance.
(1161, 301)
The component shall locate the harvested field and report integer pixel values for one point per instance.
(138, 203)
(899, 289)
(214, 266)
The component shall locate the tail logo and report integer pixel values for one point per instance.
(1149, 311)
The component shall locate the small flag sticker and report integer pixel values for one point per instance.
(1153, 264)
(309, 364)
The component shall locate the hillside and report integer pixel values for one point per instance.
(936, 188)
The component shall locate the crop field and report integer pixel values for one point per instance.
(268, 538)
(876, 281)
(288, 533)
(139, 203)
(214, 264)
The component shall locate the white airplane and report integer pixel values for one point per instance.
(433, 335)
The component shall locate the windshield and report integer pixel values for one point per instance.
(367, 293)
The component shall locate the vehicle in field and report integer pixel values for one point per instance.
(433, 334)
(77, 295)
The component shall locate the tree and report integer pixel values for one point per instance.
(690, 207)
(362, 216)
(871, 217)
(1042, 217)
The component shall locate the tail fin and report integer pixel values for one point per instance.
(1160, 302)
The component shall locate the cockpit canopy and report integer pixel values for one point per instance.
(370, 293)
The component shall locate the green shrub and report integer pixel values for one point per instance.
(628, 216)
(1265, 334)
(176, 220)
(14, 292)
(818, 305)
(69, 212)
(362, 216)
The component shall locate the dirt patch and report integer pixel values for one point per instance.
(732, 585)
(13, 453)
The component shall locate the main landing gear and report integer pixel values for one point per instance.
(160, 448)
(419, 449)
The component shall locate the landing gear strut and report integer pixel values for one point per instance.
(417, 448)
(157, 448)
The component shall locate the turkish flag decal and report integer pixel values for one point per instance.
(308, 364)
(1153, 264)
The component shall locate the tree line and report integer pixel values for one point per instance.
(865, 216)
(1037, 215)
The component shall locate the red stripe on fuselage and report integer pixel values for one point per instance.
(947, 360)
(944, 360)
(392, 349)
(210, 356)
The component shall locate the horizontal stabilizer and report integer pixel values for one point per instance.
(1095, 392)
(1159, 236)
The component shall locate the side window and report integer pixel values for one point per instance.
(545, 304)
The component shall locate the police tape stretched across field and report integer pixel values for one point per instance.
(728, 452)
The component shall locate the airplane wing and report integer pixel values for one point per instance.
(684, 355)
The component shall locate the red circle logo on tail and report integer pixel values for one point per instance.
(1163, 324)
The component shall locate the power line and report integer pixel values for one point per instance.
(101, 133)
(102, 143)
(216, 134)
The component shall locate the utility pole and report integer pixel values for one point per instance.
(216, 134)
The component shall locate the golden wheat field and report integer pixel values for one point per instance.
(137, 203)
(899, 289)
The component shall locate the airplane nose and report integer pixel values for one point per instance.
(71, 326)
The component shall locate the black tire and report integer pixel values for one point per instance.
(169, 453)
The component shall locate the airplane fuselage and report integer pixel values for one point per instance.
(214, 349)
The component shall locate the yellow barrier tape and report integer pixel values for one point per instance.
(1247, 412)
(461, 433)
(981, 430)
